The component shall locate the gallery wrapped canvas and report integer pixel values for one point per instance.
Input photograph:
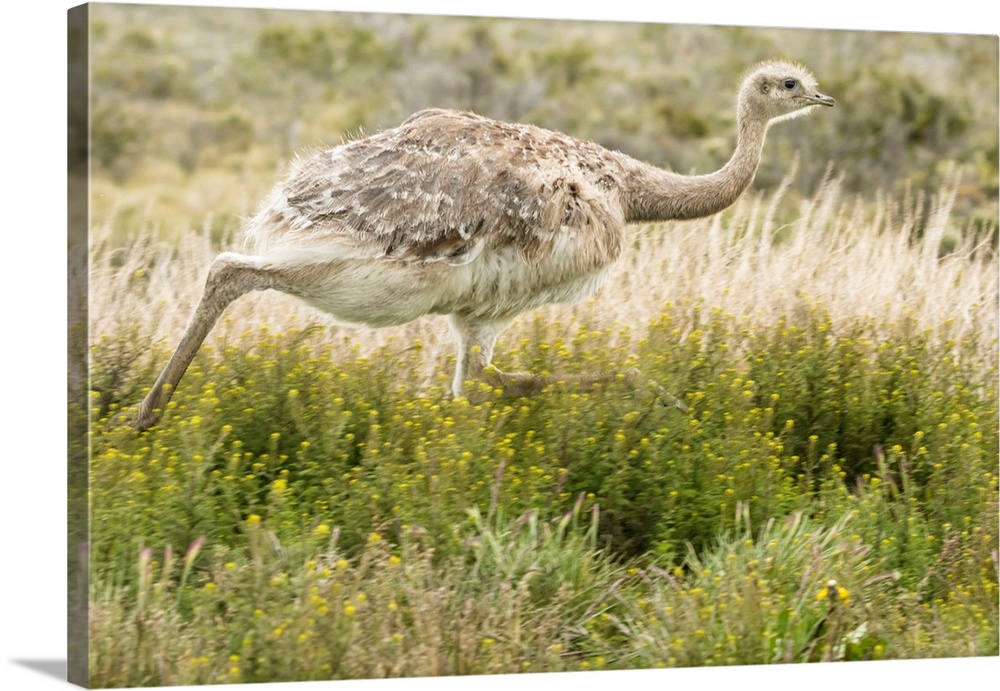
(408, 345)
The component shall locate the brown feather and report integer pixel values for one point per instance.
(427, 189)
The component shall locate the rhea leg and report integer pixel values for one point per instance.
(476, 340)
(230, 276)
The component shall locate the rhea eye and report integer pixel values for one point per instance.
(790, 84)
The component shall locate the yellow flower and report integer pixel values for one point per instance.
(834, 592)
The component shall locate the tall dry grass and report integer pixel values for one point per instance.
(766, 256)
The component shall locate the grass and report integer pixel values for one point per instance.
(314, 506)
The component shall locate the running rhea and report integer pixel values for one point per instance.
(456, 214)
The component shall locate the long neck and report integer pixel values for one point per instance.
(653, 194)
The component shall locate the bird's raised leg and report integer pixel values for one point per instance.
(476, 340)
(230, 276)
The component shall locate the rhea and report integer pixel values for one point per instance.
(456, 214)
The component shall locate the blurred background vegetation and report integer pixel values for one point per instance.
(188, 98)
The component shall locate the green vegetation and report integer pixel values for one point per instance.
(831, 493)
(350, 520)
(313, 505)
(275, 429)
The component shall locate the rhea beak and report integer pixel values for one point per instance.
(819, 99)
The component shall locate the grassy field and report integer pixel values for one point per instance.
(314, 506)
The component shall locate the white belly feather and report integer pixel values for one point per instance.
(496, 284)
